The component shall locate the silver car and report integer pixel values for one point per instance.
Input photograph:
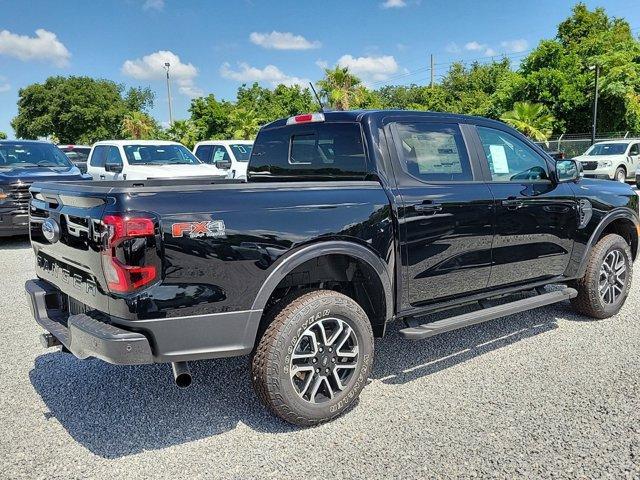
(613, 160)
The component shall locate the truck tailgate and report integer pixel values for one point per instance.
(66, 236)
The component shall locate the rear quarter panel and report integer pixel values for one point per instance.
(262, 225)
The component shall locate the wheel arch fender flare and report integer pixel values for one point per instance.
(618, 214)
(315, 250)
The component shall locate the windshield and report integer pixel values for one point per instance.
(607, 149)
(242, 152)
(159, 155)
(31, 155)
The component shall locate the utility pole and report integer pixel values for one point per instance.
(432, 73)
(166, 66)
(595, 104)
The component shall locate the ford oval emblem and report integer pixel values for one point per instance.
(51, 230)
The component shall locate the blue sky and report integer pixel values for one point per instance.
(215, 46)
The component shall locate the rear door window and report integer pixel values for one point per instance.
(99, 156)
(333, 151)
(433, 152)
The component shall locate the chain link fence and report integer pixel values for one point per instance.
(574, 144)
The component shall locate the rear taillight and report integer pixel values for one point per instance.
(122, 277)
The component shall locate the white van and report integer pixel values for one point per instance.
(144, 159)
(229, 155)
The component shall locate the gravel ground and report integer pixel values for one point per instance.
(545, 393)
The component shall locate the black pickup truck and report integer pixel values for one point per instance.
(349, 221)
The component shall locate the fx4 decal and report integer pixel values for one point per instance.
(212, 228)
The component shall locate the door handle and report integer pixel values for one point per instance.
(102, 177)
(512, 203)
(428, 207)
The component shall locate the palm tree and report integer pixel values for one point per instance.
(244, 123)
(137, 125)
(343, 89)
(532, 119)
(184, 132)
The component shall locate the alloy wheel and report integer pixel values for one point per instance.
(324, 360)
(613, 277)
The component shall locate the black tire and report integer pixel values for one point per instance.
(288, 331)
(589, 300)
(620, 175)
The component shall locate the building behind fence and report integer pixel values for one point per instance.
(574, 144)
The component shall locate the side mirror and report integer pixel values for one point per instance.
(568, 170)
(113, 167)
(222, 164)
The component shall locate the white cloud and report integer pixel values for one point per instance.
(515, 46)
(486, 50)
(402, 47)
(370, 68)
(452, 47)
(151, 67)
(153, 5)
(474, 46)
(283, 41)
(269, 74)
(322, 64)
(44, 46)
(4, 85)
(393, 4)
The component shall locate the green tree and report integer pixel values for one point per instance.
(532, 119)
(210, 117)
(244, 123)
(343, 89)
(74, 109)
(3, 136)
(138, 125)
(182, 131)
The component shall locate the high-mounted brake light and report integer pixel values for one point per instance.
(306, 118)
(123, 278)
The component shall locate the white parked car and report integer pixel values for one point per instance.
(229, 155)
(144, 159)
(613, 160)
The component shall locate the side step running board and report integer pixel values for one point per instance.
(460, 321)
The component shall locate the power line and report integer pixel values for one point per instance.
(418, 71)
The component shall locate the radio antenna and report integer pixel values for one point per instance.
(317, 97)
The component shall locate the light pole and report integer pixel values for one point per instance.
(595, 104)
(166, 67)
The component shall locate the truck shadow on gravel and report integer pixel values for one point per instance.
(116, 411)
(15, 243)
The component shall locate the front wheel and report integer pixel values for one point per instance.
(605, 285)
(620, 175)
(314, 358)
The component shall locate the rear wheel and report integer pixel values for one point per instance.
(605, 285)
(314, 358)
(620, 175)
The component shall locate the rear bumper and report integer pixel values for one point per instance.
(131, 342)
(83, 335)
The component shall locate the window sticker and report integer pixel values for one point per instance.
(136, 155)
(499, 159)
(218, 155)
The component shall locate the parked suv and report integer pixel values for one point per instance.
(21, 163)
(611, 160)
(348, 221)
(143, 159)
(231, 156)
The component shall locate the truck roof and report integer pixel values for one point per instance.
(376, 115)
(22, 142)
(135, 142)
(225, 142)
